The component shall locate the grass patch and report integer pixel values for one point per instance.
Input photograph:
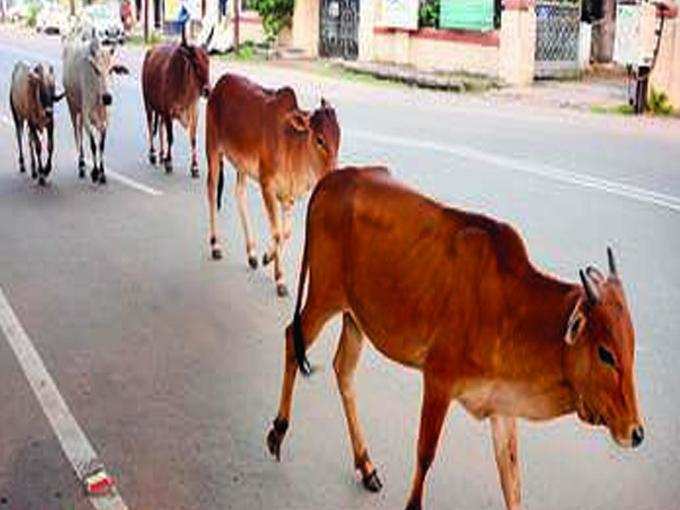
(138, 40)
(248, 52)
(619, 109)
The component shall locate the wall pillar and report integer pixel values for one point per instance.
(306, 27)
(369, 16)
(666, 74)
(517, 42)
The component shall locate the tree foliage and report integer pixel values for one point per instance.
(275, 14)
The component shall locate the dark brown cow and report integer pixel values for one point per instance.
(32, 98)
(174, 76)
(454, 295)
(267, 137)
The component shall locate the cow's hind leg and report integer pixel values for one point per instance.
(19, 128)
(38, 156)
(436, 401)
(241, 199)
(504, 434)
(78, 132)
(345, 363)
(314, 315)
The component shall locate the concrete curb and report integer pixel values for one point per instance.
(429, 80)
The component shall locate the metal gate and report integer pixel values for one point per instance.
(339, 29)
(557, 38)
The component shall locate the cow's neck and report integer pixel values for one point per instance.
(541, 326)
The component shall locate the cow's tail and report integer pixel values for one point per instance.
(298, 338)
(220, 186)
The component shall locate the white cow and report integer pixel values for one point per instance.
(87, 66)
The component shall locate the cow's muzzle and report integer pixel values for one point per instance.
(107, 99)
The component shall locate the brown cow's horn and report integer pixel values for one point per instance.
(210, 36)
(612, 262)
(589, 287)
(595, 274)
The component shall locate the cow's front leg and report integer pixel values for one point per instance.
(38, 157)
(50, 148)
(504, 434)
(241, 200)
(102, 143)
(275, 225)
(94, 175)
(168, 157)
(193, 117)
(151, 127)
(32, 137)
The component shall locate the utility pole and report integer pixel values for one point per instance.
(146, 21)
(236, 26)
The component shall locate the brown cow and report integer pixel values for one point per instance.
(31, 100)
(174, 76)
(266, 136)
(454, 295)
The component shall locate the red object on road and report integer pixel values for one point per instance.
(99, 483)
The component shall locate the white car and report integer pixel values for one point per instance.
(52, 19)
(105, 19)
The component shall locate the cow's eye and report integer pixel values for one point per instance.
(605, 356)
(320, 141)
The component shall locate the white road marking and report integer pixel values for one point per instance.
(75, 444)
(123, 179)
(547, 171)
(127, 181)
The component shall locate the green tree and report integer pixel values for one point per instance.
(276, 15)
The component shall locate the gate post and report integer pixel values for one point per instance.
(517, 42)
(306, 26)
(666, 74)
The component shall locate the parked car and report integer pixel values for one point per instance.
(53, 18)
(105, 19)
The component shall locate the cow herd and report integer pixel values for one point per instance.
(447, 292)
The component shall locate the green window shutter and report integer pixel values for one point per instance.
(467, 14)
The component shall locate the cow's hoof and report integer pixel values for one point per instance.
(22, 168)
(94, 175)
(252, 262)
(102, 178)
(281, 290)
(41, 180)
(216, 253)
(81, 173)
(371, 482)
(168, 167)
(34, 174)
(266, 259)
(274, 443)
(81, 166)
(152, 158)
(194, 173)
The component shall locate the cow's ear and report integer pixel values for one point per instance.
(299, 121)
(325, 104)
(575, 324)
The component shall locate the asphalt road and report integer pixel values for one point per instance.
(171, 363)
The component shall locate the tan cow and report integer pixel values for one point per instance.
(454, 295)
(31, 99)
(267, 137)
